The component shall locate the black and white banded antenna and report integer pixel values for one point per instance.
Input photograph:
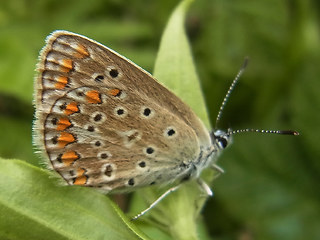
(232, 86)
(281, 132)
(225, 100)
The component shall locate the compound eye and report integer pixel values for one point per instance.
(223, 142)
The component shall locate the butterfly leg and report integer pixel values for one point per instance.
(217, 168)
(205, 187)
(156, 202)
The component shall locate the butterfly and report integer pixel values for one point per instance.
(104, 122)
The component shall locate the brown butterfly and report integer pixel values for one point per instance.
(104, 122)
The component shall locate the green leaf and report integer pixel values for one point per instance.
(33, 206)
(174, 65)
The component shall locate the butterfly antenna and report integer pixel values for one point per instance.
(232, 86)
(281, 132)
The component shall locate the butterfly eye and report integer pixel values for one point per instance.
(223, 142)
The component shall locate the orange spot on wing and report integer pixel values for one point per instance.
(93, 96)
(65, 138)
(61, 82)
(81, 178)
(82, 51)
(114, 92)
(69, 157)
(63, 123)
(66, 65)
(71, 108)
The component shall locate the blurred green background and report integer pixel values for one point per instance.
(271, 186)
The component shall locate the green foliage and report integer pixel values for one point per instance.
(33, 206)
(269, 190)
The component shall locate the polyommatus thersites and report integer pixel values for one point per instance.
(104, 122)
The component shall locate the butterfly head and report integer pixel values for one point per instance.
(220, 139)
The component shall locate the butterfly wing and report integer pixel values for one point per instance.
(104, 122)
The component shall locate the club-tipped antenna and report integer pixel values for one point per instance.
(281, 132)
(232, 86)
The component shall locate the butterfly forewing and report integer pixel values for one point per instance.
(105, 122)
